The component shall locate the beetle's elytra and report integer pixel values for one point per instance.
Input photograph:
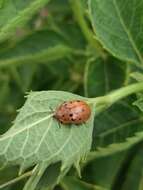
(73, 112)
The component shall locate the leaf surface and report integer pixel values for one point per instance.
(101, 76)
(99, 170)
(37, 138)
(118, 26)
(114, 132)
(134, 175)
(70, 183)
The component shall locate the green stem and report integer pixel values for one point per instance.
(125, 91)
(79, 16)
(117, 95)
(28, 174)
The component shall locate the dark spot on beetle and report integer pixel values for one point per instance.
(83, 110)
(73, 119)
(63, 115)
(78, 100)
(70, 114)
(79, 119)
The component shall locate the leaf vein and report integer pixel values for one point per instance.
(127, 32)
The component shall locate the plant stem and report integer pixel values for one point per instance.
(125, 91)
(16, 180)
(117, 95)
(79, 16)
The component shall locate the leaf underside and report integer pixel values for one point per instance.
(37, 138)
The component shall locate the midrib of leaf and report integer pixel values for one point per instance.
(122, 126)
(26, 128)
(22, 17)
(127, 32)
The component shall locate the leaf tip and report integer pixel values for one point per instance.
(77, 167)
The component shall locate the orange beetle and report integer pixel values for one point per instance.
(73, 112)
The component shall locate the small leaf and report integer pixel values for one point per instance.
(118, 26)
(37, 138)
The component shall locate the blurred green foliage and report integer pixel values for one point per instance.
(52, 51)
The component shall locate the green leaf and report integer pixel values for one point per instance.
(99, 170)
(73, 34)
(8, 174)
(4, 88)
(41, 46)
(100, 77)
(37, 138)
(134, 176)
(137, 76)
(113, 132)
(118, 26)
(116, 130)
(70, 183)
(60, 8)
(50, 176)
(16, 13)
(23, 76)
(139, 103)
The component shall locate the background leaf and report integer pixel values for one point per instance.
(36, 47)
(118, 26)
(102, 76)
(70, 183)
(97, 172)
(16, 13)
(54, 48)
(133, 177)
